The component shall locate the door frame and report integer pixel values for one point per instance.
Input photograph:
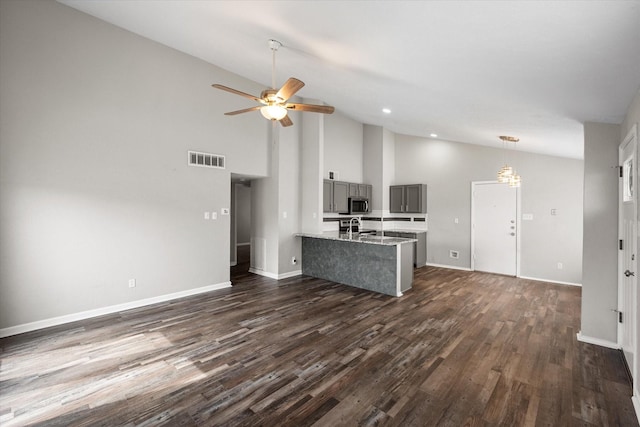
(631, 135)
(518, 225)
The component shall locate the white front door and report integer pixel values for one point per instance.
(494, 228)
(627, 262)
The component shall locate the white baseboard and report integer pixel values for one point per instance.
(275, 276)
(551, 281)
(453, 267)
(55, 321)
(597, 341)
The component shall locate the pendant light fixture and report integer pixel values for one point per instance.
(506, 174)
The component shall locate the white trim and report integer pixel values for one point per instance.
(274, 275)
(60, 320)
(597, 341)
(243, 244)
(452, 267)
(550, 281)
(233, 263)
(636, 405)
(290, 274)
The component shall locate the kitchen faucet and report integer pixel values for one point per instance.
(351, 223)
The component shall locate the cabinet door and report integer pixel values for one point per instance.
(362, 190)
(413, 198)
(369, 194)
(396, 198)
(327, 196)
(353, 190)
(340, 197)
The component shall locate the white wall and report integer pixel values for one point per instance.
(448, 168)
(95, 123)
(343, 147)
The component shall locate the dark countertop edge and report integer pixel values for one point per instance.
(335, 236)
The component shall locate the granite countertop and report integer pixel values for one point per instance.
(365, 238)
(405, 230)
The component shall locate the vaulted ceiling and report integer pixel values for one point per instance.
(467, 71)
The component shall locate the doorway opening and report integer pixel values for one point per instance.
(627, 253)
(240, 233)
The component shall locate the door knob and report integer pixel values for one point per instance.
(513, 234)
(629, 273)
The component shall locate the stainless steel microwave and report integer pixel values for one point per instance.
(358, 205)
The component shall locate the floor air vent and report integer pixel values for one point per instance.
(205, 160)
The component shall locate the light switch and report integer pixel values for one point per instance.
(284, 215)
(527, 217)
(455, 220)
(206, 215)
(214, 215)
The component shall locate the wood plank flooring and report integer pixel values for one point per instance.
(459, 349)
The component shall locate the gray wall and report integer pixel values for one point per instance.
(95, 123)
(600, 251)
(448, 168)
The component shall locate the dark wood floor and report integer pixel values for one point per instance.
(460, 348)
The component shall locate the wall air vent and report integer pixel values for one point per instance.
(206, 160)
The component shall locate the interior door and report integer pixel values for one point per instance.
(627, 226)
(495, 228)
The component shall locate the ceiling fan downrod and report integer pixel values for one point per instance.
(274, 45)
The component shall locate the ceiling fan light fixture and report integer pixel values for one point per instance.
(273, 112)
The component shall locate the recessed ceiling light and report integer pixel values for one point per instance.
(434, 135)
(386, 111)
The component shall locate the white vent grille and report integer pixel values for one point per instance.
(205, 160)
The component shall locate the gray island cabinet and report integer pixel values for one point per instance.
(377, 263)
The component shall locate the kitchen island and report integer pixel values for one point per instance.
(377, 263)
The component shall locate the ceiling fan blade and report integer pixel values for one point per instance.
(286, 121)
(289, 88)
(237, 92)
(246, 110)
(325, 109)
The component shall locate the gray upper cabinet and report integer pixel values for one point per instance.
(408, 198)
(341, 197)
(335, 196)
(353, 190)
(327, 196)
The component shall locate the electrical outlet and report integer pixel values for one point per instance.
(454, 254)
(132, 283)
(560, 266)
